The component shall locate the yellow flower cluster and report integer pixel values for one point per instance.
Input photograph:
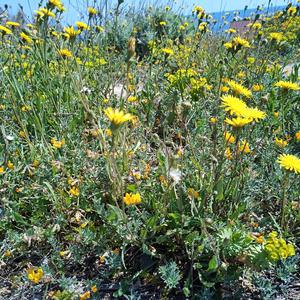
(35, 274)
(277, 248)
(132, 199)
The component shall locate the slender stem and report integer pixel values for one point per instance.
(284, 200)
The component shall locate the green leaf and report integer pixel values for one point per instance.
(213, 264)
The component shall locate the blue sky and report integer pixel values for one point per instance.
(74, 6)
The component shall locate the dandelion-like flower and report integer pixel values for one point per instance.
(117, 117)
(238, 107)
(82, 26)
(238, 122)
(289, 162)
(92, 11)
(70, 32)
(287, 85)
(239, 89)
(281, 143)
(65, 53)
(4, 30)
(35, 274)
(12, 24)
(25, 38)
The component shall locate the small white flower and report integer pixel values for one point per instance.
(175, 174)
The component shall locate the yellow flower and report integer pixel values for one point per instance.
(297, 136)
(117, 117)
(276, 114)
(276, 36)
(162, 23)
(228, 153)
(239, 108)
(132, 99)
(238, 42)
(57, 3)
(213, 120)
(82, 26)
(168, 51)
(102, 259)
(224, 89)
(25, 38)
(257, 87)
(130, 199)
(289, 162)
(35, 274)
(12, 24)
(70, 32)
(86, 295)
(2, 170)
(238, 122)
(10, 165)
(280, 142)
(45, 12)
(65, 53)
(239, 89)
(57, 144)
(92, 11)
(228, 45)
(5, 30)
(233, 104)
(94, 289)
(74, 191)
(229, 137)
(244, 147)
(292, 10)
(230, 31)
(287, 85)
(192, 193)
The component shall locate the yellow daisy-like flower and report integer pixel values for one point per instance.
(70, 32)
(287, 85)
(12, 24)
(238, 122)
(92, 11)
(238, 107)
(74, 191)
(25, 38)
(229, 137)
(65, 53)
(57, 144)
(5, 30)
(239, 42)
(289, 162)
(117, 117)
(239, 89)
(281, 143)
(35, 274)
(244, 147)
(57, 3)
(131, 199)
(233, 104)
(45, 12)
(257, 87)
(228, 153)
(82, 26)
(297, 136)
(276, 36)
